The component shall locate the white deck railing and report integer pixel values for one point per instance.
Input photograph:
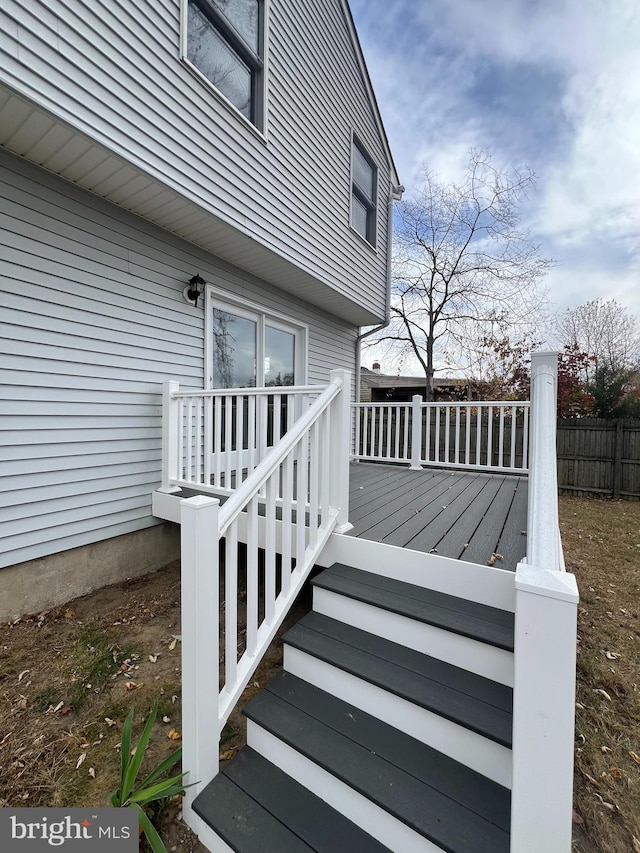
(272, 528)
(212, 440)
(470, 435)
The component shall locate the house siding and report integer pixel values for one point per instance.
(92, 321)
(113, 71)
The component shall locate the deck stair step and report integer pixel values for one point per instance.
(256, 808)
(459, 615)
(412, 791)
(471, 701)
(462, 632)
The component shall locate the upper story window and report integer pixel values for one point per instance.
(225, 42)
(363, 193)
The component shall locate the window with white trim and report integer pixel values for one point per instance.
(363, 192)
(250, 348)
(225, 42)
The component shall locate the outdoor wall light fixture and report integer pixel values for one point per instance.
(194, 289)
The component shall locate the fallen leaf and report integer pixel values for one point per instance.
(131, 685)
(81, 759)
(92, 773)
(603, 693)
(615, 772)
(226, 755)
(109, 721)
(635, 756)
(166, 719)
(153, 658)
(575, 817)
(22, 674)
(611, 656)
(605, 749)
(591, 779)
(636, 844)
(174, 734)
(176, 639)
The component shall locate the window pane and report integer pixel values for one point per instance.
(218, 62)
(359, 215)
(243, 14)
(279, 357)
(363, 173)
(234, 350)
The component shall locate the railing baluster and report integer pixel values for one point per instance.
(314, 484)
(198, 441)
(207, 439)
(501, 438)
(407, 410)
(182, 468)
(270, 549)
(217, 442)
(325, 453)
(358, 415)
(287, 494)
(252, 576)
(231, 604)
(365, 431)
(239, 418)
(189, 447)
(228, 446)
(479, 419)
(525, 438)
(489, 435)
(436, 442)
(447, 414)
(301, 498)
(467, 434)
(514, 417)
(456, 457)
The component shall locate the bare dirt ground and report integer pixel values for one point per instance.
(69, 677)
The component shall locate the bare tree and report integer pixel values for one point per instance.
(606, 331)
(462, 261)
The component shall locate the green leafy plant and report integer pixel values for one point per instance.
(150, 789)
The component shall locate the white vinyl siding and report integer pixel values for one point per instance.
(112, 70)
(92, 321)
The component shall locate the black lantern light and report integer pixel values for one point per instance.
(194, 289)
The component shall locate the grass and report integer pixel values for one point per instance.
(602, 548)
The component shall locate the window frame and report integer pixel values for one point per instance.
(255, 62)
(370, 205)
(217, 298)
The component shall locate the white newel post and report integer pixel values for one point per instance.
(542, 518)
(340, 428)
(200, 654)
(169, 437)
(416, 432)
(543, 711)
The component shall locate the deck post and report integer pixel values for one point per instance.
(169, 437)
(543, 710)
(200, 610)
(416, 432)
(340, 428)
(542, 516)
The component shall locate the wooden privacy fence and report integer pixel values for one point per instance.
(599, 456)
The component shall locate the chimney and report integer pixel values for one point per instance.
(376, 367)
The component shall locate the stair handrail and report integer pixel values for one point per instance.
(310, 460)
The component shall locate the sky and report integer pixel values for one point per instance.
(553, 84)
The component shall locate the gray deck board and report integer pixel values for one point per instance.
(442, 510)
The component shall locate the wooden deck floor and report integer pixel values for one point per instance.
(468, 516)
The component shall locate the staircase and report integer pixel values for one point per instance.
(389, 729)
